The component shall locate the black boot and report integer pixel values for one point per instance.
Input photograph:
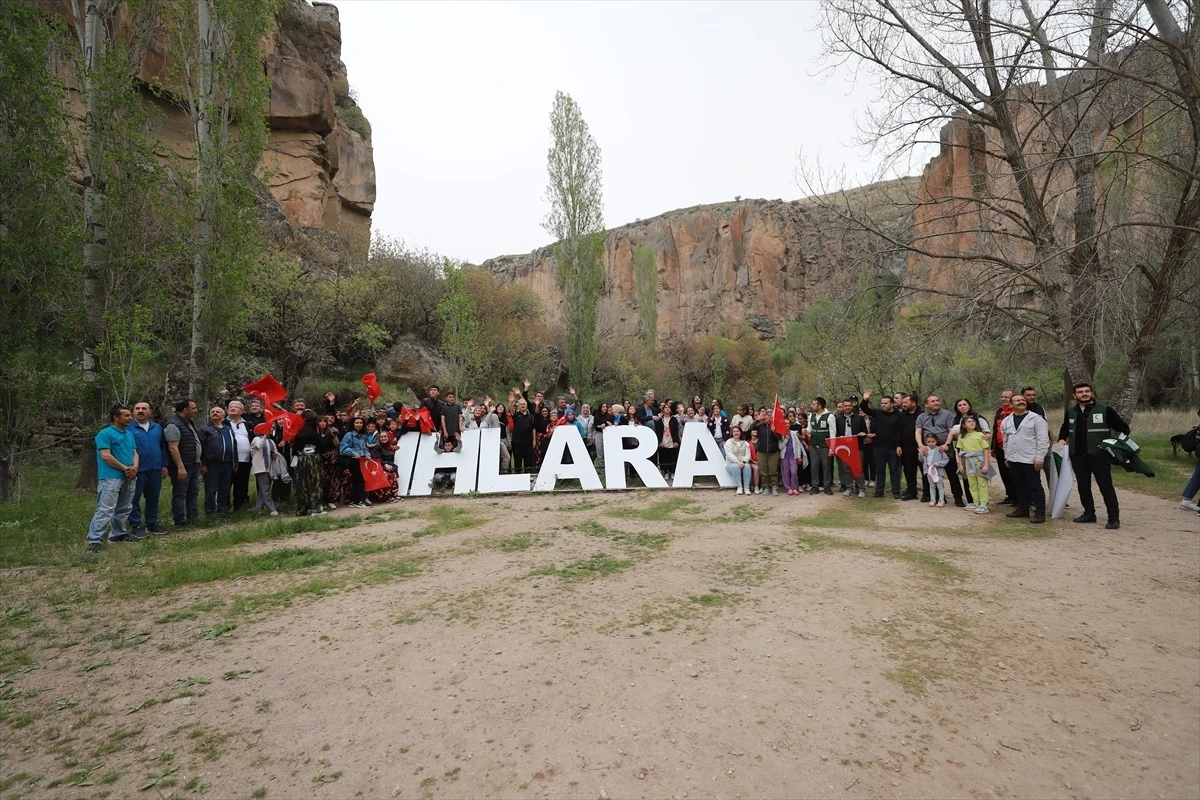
(1038, 517)
(1113, 524)
(1018, 513)
(1085, 517)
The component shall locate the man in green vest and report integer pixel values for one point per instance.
(1087, 424)
(820, 423)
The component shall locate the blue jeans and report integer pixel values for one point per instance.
(1193, 485)
(114, 499)
(185, 494)
(217, 482)
(149, 485)
(742, 476)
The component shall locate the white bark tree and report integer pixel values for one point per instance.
(1081, 137)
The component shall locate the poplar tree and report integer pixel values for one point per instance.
(576, 221)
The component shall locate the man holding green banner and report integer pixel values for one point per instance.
(1087, 424)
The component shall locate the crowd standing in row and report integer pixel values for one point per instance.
(318, 469)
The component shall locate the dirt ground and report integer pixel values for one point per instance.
(642, 644)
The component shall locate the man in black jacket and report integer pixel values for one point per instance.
(909, 455)
(522, 438)
(888, 431)
(1088, 423)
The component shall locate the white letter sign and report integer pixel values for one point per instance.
(465, 464)
(615, 458)
(566, 437)
(713, 464)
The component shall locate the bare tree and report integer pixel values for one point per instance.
(1066, 196)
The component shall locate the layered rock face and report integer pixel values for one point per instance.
(760, 262)
(318, 163)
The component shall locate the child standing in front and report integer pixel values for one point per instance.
(934, 463)
(973, 461)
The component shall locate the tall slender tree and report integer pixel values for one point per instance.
(576, 221)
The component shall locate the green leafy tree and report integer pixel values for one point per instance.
(645, 284)
(576, 221)
(220, 85)
(460, 329)
(40, 246)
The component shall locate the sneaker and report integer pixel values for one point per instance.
(740, 491)
(93, 547)
(273, 514)
(941, 504)
(367, 503)
(847, 492)
(122, 539)
(971, 506)
(774, 491)
(158, 530)
(138, 534)
(331, 506)
(1188, 505)
(320, 512)
(861, 493)
(981, 509)
(871, 484)
(1085, 517)
(932, 503)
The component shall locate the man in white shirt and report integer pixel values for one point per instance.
(244, 434)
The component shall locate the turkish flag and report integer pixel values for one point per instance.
(779, 419)
(373, 390)
(846, 448)
(421, 419)
(374, 477)
(267, 389)
(292, 423)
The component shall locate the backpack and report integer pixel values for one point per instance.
(1189, 440)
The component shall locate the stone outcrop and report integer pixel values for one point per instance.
(318, 162)
(758, 262)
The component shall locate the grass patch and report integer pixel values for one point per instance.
(521, 541)
(582, 505)
(598, 566)
(738, 513)
(662, 511)
(631, 541)
(838, 518)
(159, 577)
(449, 519)
(925, 562)
(924, 650)
(669, 614)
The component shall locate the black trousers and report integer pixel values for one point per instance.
(910, 459)
(358, 488)
(241, 485)
(522, 457)
(1098, 467)
(886, 458)
(1010, 491)
(1028, 483)
(956, 485)
(868, 462)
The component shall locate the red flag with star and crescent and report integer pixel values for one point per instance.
(846, 448)
(292, 423)
(267, 389)
(372, 384)
(374, 477)
(779, 419)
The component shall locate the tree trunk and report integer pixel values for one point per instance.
(205, 186)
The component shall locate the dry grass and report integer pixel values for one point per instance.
(1164, 422)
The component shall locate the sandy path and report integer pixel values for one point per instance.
(1065, 666)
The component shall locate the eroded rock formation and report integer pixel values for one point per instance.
(761, 262)
(318, 163)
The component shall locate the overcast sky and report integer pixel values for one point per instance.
(690, 103)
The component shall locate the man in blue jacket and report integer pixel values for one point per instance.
(152, 468)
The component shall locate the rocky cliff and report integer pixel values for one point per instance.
(758, 261)
(318, 164)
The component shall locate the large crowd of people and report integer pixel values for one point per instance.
(917, 448)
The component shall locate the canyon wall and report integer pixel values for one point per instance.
(318, 164)
(761, 262)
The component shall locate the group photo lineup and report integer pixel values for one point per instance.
(545, 399)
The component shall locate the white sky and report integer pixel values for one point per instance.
(690, 102)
